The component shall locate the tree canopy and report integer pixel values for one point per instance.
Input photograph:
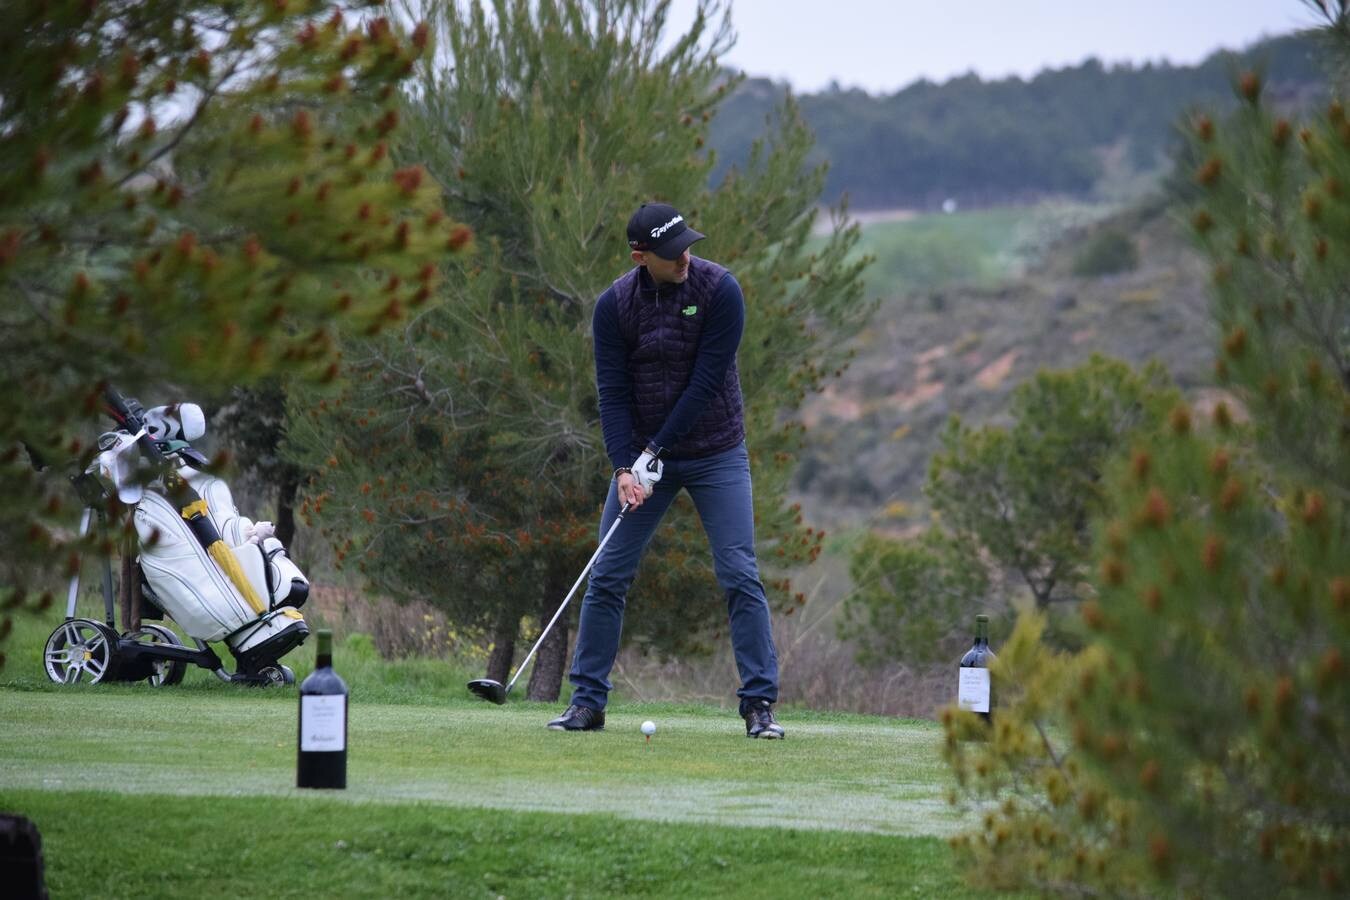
(464, 458)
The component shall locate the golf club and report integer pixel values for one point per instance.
(493, 691)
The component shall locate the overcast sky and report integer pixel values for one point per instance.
(883, 45)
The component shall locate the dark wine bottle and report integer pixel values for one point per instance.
(322, 759)
(975, 691)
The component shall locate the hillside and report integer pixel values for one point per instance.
(959, 350)
(1074, 131)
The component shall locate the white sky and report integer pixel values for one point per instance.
(883, 45)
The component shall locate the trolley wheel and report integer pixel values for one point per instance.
(81, 650)
(277, 675)
(164, 672)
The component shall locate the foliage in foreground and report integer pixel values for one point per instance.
(1197, 746)
(181, 203)
(461, 459)
(1197, 743)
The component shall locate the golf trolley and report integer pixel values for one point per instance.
(218, 575)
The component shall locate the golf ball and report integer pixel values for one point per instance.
(649, 727)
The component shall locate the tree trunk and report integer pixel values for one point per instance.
(551, 661)
(286, 489)
(129, 593)
(136, 605)
(503, 649)
(129, 582)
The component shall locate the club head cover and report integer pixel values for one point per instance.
(176, 422)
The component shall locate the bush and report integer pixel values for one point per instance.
(1108, 252)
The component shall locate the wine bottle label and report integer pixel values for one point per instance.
(973, 693)
(323, 723)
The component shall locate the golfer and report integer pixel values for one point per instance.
(666, 335)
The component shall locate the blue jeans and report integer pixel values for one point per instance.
(720, 488)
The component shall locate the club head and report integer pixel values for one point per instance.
(489, 690)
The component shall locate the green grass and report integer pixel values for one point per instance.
(386, 681)
(981, 247)
(841, 773)
(141, 791)
(140, 846)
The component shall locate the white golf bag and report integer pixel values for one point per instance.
(259, 622)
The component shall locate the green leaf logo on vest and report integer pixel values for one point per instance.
(689, 310)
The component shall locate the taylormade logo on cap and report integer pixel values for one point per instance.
(657, 232)
(660, 228)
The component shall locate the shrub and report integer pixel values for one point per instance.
(1107, 252)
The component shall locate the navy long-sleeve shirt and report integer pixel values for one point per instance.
(718, 342)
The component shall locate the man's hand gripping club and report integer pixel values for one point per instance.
(637, 483)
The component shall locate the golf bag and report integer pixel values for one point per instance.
(256, 615)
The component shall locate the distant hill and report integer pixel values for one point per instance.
(1063, 132)
(959, 349)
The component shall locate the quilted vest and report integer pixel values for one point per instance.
(662, 336)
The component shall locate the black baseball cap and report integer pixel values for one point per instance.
(659, 228)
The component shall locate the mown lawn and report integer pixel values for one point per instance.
(120, 845)
(143, 792)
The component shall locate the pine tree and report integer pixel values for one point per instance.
(1197, 746)
(467, 466)
(192, 193)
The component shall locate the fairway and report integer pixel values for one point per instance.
(979, 248)
(856, 775)
(450, 796)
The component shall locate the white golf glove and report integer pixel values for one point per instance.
(647, 470)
